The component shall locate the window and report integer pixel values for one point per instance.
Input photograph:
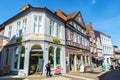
(22, 56)
(16, 58)
(68, 34)
(51, 28)
(79, 19)
(19, 30)
(58, 56)
(85, 42)
(74, 37)
(10, 31)
(82, 40)
(78, 28)
(58, 31)
(24, 25)
(20, 33)
(37, 24)
(7, 56)
(51, 56)
(78, 38)
(19, 58)
(74, 24)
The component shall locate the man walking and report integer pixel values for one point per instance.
(48, 68)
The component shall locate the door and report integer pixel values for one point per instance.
(72, 62)
(34, 57)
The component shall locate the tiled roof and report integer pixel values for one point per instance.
(117, 51)
(61, 14)
(88, 26)
(65, 16)
(72, 15)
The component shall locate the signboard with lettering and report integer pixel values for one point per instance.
(40, 63)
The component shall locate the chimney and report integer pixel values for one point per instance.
(26, 6)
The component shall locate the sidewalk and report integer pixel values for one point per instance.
(69, 76)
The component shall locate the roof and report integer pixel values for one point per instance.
(116, 50)
(25, 9)
(102, 33)
(72, 15)
(61, 14)
(88, 26)
(65, 16)
(4, 37)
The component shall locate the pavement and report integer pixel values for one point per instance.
(69, 76)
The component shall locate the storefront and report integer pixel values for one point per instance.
(36, 53)
(56, 55)
(76, 58)
(23, 59)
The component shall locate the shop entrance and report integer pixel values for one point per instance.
(72, 67)
(35, 55)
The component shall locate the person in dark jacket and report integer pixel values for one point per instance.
(48, 68)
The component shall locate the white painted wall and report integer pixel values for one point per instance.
(44, 30)
(47, 27)
(107, 47)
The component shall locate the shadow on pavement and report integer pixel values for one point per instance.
(92, 72)
(110, 75)
(11, 78)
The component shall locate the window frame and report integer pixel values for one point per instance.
(37, 24)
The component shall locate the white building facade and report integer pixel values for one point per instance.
(106, 47)
(35, 33)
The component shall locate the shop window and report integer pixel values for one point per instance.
(22, 56)
(51, 56)
(7, 56)
(16, 58)
(58, 56)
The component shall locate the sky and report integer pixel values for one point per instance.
(104, 14)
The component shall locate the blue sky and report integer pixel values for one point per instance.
(104, 14)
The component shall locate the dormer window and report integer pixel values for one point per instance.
(74, 24)
(79, 19)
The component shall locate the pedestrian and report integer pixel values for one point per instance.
(82, 68)
(104, 66)
(48, 68)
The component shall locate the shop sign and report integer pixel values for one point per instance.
(36, 50)
(79, 51)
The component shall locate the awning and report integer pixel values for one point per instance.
(118, 58)
(99, 58)
(4, 37)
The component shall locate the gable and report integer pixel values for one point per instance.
(78, 19)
